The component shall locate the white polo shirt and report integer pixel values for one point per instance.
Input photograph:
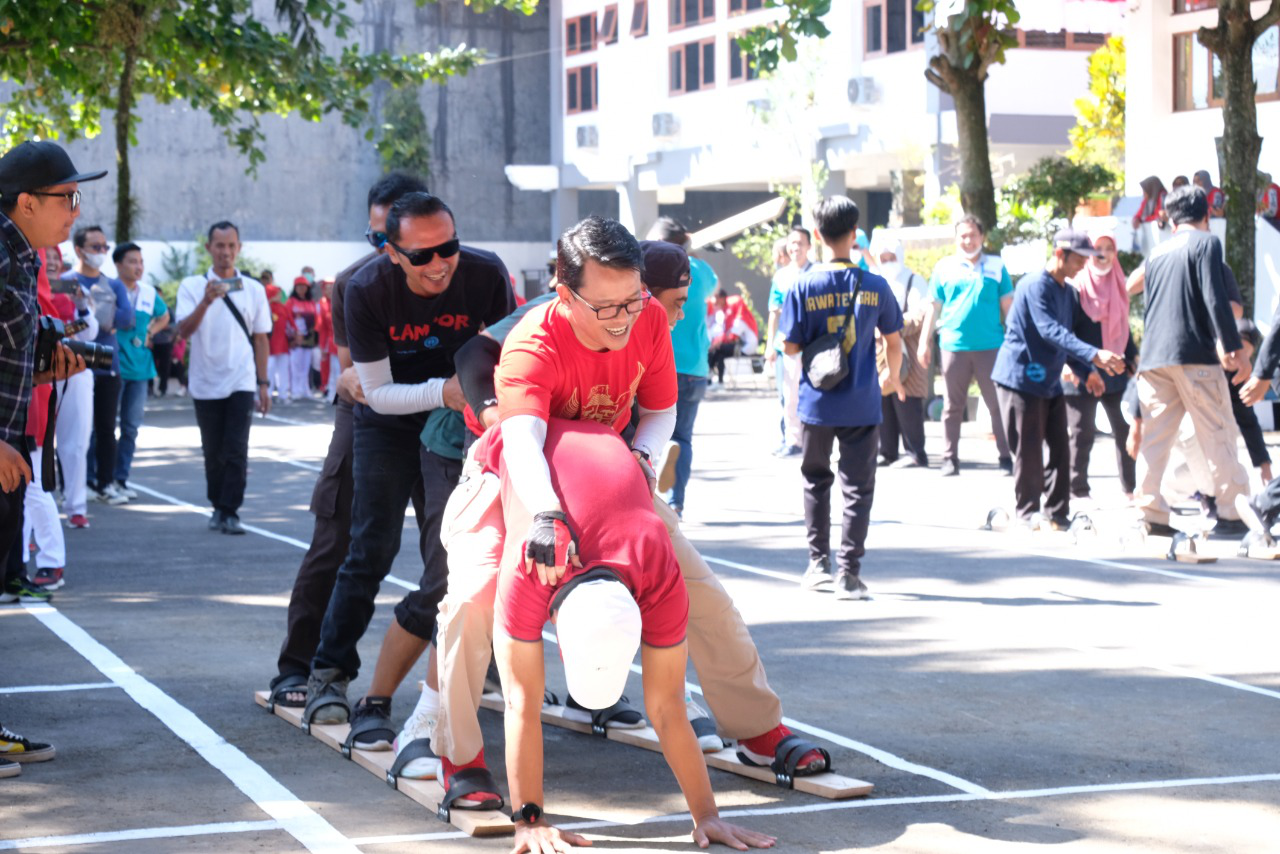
(221, 360)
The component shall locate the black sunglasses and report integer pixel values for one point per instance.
(422, 257)
(377, 239)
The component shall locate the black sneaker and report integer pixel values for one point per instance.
(850, 587)
(22, 590)
(1059, 523)
(1159, 529)
(215, 521)
(231, 525)
(18, 749)
(9, 768)
(1006, 465)
(817, 576)
(371, 724)
(950, 468)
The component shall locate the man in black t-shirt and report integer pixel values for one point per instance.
(1190, 337)
(407, 314)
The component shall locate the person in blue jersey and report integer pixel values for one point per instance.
(826, 299)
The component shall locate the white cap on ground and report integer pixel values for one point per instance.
(598, 626)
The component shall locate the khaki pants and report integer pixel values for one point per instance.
(1201, 392)
(728, 665)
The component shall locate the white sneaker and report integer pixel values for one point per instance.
(703, 727)
(125, 490)
(112, 495)
(419, 725)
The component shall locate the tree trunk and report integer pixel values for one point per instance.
(124, 113)
(977, 192)
(1232, 42)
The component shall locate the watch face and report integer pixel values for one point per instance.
(530, 812)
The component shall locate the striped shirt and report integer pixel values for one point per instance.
(18, 311)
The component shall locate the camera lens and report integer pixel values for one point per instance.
(96, 356)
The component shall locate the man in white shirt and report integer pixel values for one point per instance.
(226, 317)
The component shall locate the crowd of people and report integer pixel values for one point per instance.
(495, 418)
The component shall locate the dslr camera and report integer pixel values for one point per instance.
(51, 331)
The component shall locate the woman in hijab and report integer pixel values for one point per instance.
(1214, 195)
(1103, 321)
(1151, 210)
(304, 336)
(903, 419)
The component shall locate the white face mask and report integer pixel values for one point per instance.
(95, 260)
(890, 269)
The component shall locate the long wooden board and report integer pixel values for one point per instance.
(429, 793)
(828, 785)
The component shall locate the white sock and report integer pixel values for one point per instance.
(428, 702)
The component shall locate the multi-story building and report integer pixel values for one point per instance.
(654, 104)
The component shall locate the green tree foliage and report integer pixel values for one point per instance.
(66, 62)
(1060, 185)
(775, 43)
(404, 141)
(1098, 136)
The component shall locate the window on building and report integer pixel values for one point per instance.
(580, 34)
(609, 24)
(688, 13)
(1060, 40)
(738, 7)
(640, 19)
(1180, 6)
(1197, 73)
(741, 66)
(875, 29)
(580, 88)
(895, 25)
(917, 25)
(693, 67)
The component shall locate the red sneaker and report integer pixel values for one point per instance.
(48, 578)
(474, 800)
(78, 521)
(761, 750)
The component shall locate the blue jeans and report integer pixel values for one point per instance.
(387, 463)
(691, 389)
(133, 399)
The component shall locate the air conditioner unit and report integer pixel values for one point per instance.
(588, 136)
(863, 90)
(665, 124)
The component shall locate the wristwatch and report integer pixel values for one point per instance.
(529, 813)
(264, 383)
(644, 455)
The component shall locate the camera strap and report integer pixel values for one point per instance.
(48, 482)
(235, 312)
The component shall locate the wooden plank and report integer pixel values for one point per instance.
(828, 785)
(429, 793)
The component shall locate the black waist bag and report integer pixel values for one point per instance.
(823, 359)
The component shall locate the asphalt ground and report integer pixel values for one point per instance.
(1002, 692)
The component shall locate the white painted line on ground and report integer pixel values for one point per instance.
(203, 511)
(141, 833)
(754, 570)
(1181, 671)
(292, 815)
(268, 455)
(871, 803)
(42, 689)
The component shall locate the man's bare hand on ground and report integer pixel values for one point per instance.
(14, 470)
(65, 364)
(546, 839)
(453, 396)
(1112, 363)
(718, 830)
(349, 388)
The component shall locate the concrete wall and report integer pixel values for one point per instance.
(313, 185)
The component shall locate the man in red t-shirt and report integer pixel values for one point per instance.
(623, 590)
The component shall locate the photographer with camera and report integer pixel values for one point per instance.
(39, 202)
(225, 315)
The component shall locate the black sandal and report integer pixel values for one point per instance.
(294, 683)
(791, 749)
(621, 714)
(469, 781)
(322, 693)
(419, 748)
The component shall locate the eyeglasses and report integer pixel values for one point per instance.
(98, 247)
(73, 197)
(422, 257)
(609, 312)
(377, 239)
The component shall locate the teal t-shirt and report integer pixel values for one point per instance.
(443, 433)
(690, 339)
(970, 293)
(136, 361)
